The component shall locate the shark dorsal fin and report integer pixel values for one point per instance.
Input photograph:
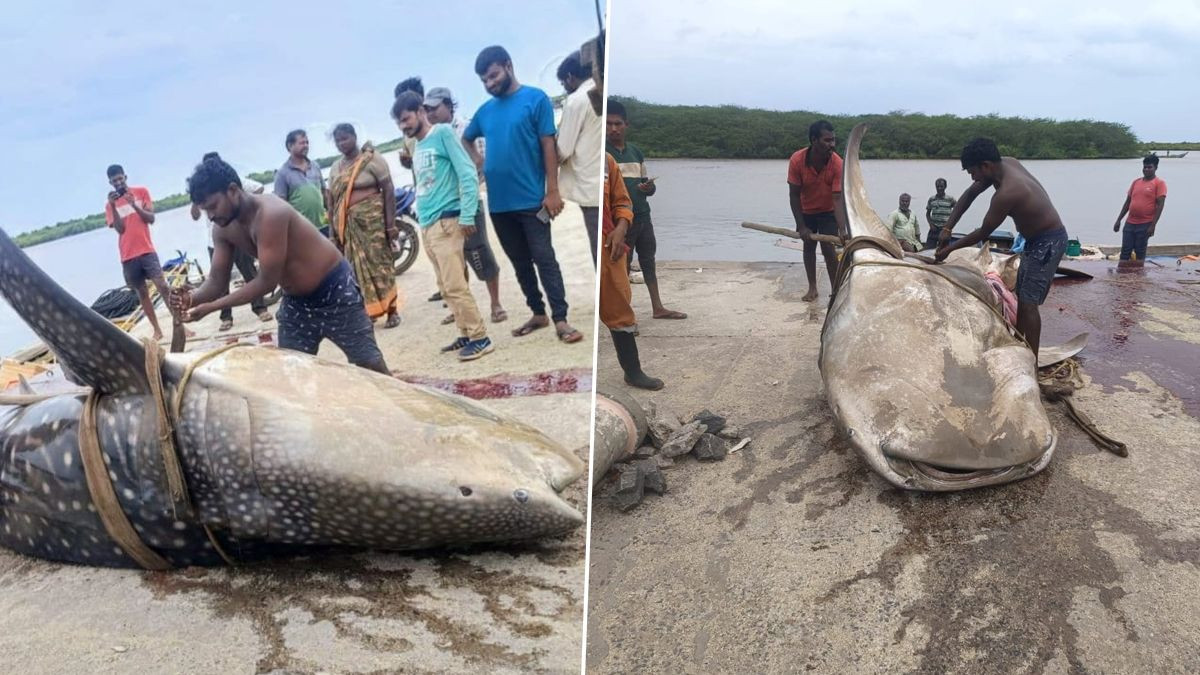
(99, 354)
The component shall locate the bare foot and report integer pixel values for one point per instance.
(158, 336)
(810, 295)
(664, 313)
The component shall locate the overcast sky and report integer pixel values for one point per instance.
(1137, 63)
(155, 85)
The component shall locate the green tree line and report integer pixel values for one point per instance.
(1147, 147)
(734, 132)
(96, 221)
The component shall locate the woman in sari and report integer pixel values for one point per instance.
(362, 212)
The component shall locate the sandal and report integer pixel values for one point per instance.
(499, 315)
(226, 324)
(569, 335)
(448, 320)
(264, 316)
(534, 323)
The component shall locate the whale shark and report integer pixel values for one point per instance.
(281, 452)
(925, 379)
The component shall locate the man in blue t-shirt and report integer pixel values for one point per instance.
(521, 168)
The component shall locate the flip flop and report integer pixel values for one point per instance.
(569, 335)
(528, 327)
(672, 314)
(499, 315)
(264, 316)
(392, 321)
(448, 320)
(226, 325)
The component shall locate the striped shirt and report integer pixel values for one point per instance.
(939, 209)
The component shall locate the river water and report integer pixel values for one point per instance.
(87, 264)
(700, 204)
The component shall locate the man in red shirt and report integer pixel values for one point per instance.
(815, 193)
(1144, 204)
(130, 212)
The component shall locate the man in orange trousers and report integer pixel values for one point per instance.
(615, 292)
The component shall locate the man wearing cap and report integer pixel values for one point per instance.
(440, 108)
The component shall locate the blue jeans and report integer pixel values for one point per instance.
(1134, 238)
(526, 242)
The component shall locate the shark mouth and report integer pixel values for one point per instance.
(925, 476)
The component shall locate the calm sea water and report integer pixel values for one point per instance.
(86, 265)
(700, 204)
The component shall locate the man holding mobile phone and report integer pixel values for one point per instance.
(521, 168)
(130, 212)
(641, 231)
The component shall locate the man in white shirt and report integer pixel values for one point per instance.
(580, 136)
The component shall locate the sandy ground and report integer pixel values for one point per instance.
(791, 556)
(489, 609)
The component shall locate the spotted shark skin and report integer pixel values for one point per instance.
(967, 411)
(282, 452)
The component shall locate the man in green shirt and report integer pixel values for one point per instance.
(300, 183)
(641, 231)
(447, 204)
(904, 225)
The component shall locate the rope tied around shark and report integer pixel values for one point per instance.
(848, 263)
(116, 523)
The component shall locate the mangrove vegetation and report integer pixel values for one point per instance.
(734, 132)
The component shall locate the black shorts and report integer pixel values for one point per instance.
(478, 253)
(333, 311)
(1039, 261)
(821, 223)
(141, 269)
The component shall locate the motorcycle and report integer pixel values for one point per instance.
(408, 245)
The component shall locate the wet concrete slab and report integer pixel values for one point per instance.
(792, 556)
(499, 609)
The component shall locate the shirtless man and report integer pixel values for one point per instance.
(321, 298)
(1020, 196)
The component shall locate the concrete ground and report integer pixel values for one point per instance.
(486, 609)
(792, 556)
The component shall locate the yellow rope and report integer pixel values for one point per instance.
(113, 517)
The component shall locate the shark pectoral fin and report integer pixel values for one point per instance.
(99, 354)
(1050, 355)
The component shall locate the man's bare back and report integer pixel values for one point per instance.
(307, 256)
(1023, 199)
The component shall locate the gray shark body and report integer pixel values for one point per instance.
(282, 452)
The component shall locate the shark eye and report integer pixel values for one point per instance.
(521, 495)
